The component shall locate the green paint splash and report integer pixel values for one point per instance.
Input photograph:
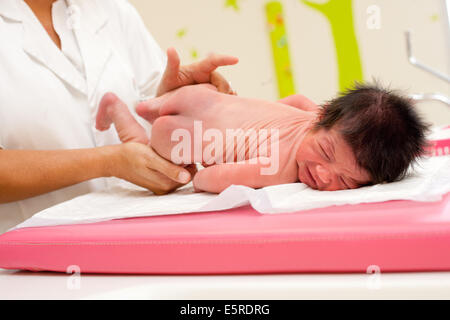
(340, 15)
(280, 49)
(194, 54)
(233, 4)
(181, 33)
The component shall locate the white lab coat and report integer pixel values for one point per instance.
(47, 104)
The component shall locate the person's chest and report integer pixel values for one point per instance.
(45, 102)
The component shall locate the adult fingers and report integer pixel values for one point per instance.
(155, 182)
(221, 83)
(173, 64)
(213, 61)
(167, 168)
(160, 184)
(150, 109)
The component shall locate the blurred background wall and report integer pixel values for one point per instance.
(295, 44)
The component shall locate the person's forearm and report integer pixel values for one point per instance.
(25, 174)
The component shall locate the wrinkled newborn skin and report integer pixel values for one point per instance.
(179, 109)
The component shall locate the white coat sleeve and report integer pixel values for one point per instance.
(147, 59)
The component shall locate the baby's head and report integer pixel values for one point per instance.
(366, 136)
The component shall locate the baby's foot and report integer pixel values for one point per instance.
(114, 111)
(107, 104)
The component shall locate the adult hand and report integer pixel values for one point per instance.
(141, 165)
(176, 76)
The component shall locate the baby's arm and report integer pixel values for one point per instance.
(113, 110)
(218, 177)
(301, 102)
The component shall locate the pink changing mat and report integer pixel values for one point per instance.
(393, 236)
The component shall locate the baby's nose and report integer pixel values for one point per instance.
(323, 174)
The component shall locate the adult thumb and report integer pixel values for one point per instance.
(173, 63)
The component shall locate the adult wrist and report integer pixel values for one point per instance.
(109, 157)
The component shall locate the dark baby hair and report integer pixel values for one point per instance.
(384, 131)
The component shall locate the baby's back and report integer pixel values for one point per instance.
(206, 116)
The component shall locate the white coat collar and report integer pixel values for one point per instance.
(94, 15)
(10, 10)
(91, 14)
(94, 48)
(39, 46)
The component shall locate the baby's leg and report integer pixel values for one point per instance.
(186, 101)
(113, 110)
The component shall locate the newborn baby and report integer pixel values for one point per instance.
(367, 136)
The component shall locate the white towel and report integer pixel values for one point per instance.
(428, 181)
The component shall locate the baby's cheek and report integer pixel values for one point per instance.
(298, 175)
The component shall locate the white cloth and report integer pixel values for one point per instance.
(61, 14)
(49, 98)
(429, 181)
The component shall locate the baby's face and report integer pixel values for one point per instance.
(326, 162)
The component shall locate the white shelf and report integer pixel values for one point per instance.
(28, 285)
